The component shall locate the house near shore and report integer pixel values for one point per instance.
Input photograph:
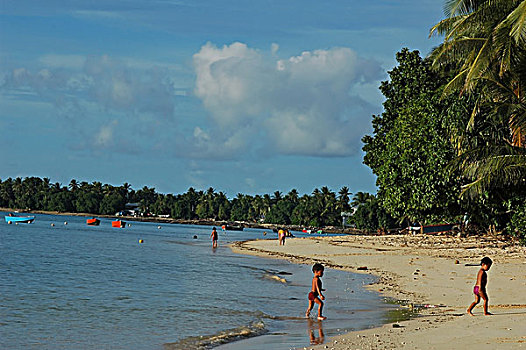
(130, 209)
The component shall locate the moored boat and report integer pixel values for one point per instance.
(12, 218)
(118, 223)
(93, 222)
(229, 227)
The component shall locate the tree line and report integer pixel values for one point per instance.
(321, 208)
(450, 144)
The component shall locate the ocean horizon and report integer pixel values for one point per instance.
(73, 286)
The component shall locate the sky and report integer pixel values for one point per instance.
(243, 96)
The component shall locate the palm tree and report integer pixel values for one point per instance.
(276, 197)
(73, 185)
(267, 203)
(482, 35)
(486, 41)
(292, 196)
(96, 187)
(107, 189)
(124, 189)
(361, 198)
(343, 198)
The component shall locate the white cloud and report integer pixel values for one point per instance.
(104, 137)
(302, 104)
(88, 91)
(274, 48)
(222, 144)
(257, 102)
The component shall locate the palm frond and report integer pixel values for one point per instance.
(492, 171)
(517, 21)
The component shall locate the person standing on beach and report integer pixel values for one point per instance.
(480, 288)
(315, 293)
(281, 236)
(213, 235)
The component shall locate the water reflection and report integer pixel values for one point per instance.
(315, 331)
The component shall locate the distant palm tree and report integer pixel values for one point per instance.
(292, 196)
(107, 189)
(73, 185)
(267, 203)
(361, 198)
(125, 190)
(97, 187)
(343, 198)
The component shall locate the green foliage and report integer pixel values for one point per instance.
(280, 213)
(517, 225)
(371, 216)
(485, 42)
(201, 211)
(323, 208)
(112, 203)
(87, 202)
(410, 149)
(61, 202)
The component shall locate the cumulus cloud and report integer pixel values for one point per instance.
(302, 105)
(255, 102)
(90, 92)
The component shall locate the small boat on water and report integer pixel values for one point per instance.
(12, 218)
(93, 222)
(118, 223)
(229, 227)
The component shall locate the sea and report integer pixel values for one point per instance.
(66, 285)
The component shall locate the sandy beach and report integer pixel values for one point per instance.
(423, 270)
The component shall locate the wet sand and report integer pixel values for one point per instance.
(428, 271)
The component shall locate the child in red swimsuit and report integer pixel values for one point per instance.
(315, 293)
(214, 235)
(480, 288)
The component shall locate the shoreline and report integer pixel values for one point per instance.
(204, 222)
(422, 270)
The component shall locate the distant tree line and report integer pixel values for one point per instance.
(321, 208)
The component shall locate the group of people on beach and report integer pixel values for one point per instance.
(316, 296)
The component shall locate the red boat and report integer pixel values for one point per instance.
(118, 223)
(93, 222)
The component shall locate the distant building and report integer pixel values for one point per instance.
(130, 209)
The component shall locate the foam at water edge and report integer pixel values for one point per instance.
(223, 337)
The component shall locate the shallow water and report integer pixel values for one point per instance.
(80, 287)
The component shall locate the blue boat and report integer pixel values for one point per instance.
(12, 218)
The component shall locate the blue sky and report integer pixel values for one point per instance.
(243, 96)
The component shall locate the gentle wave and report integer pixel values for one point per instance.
(223, 337)
(275, 278)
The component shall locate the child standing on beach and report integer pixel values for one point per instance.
(213, 235)
(315, 293)
(480, 288)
